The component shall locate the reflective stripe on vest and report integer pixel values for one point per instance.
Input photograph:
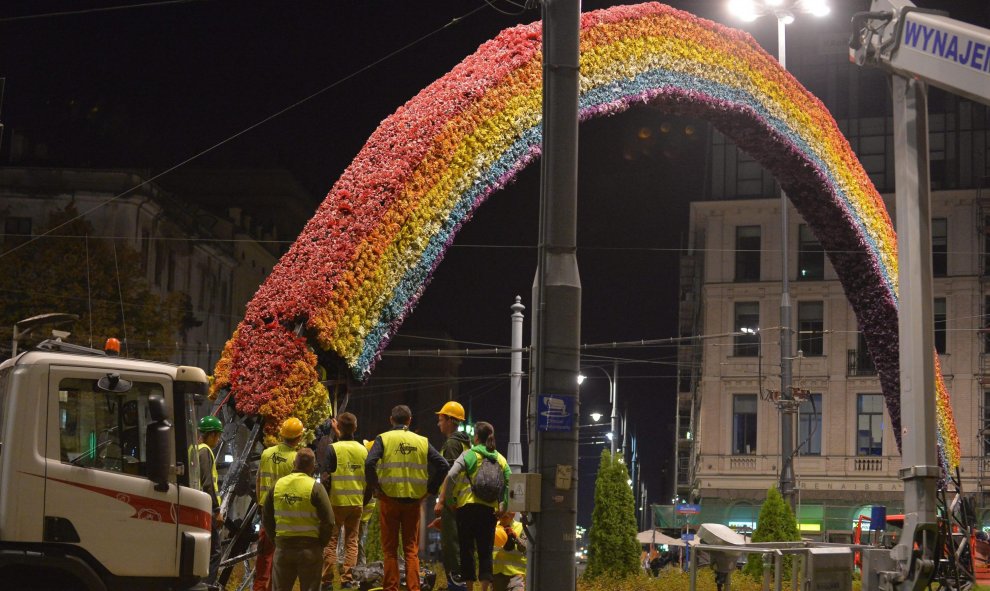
(402, 471)
(467, 495)
(276, 462)
(213, 466)
(295, 514)
(509, 563)
(347, 482)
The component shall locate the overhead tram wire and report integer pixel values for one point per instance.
(361, 70)
(595, 346)
(26, 17)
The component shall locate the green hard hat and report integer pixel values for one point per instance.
(210, 424)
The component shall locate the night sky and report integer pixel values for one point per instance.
(151, 87)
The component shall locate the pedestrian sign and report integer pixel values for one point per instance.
(555, 413)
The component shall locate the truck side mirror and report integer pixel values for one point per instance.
(157, 440)
(156, 407)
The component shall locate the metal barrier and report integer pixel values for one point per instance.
(818, 565)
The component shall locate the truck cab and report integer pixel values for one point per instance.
(97, 487)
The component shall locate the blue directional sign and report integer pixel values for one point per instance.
(555, 413)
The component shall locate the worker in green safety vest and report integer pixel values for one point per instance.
(276, 462)
(210, 430)
(509, 556)
(297, 515)
(401, 469)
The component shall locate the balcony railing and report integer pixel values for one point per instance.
(828, 465)
(859, 364)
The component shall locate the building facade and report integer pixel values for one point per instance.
(216, 261)
(847, 457)
(727, 442)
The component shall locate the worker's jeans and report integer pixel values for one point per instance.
(476, 531)
(263, 563)
(396, 516)
(298, 561)
(350, 519)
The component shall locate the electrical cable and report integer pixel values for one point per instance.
(251, 127)
(91, 10)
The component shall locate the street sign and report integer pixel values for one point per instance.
(687, 509)
(555, 413)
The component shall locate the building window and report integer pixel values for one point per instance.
(940, 247)
(746, 342)
(869, 425)
(747, 253)
(940, 322)
(16, 230)
(860, 363)
(744, 424)
(810, 426)
(811, 255)
(811, 328)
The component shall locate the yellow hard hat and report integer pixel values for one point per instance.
(500, 536)
(291, 428)
(452, 409)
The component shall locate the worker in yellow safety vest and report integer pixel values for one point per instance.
(297, 515)
(344, 479)
(409, 468)
(276, 462)
(509, 557)
(210, 430)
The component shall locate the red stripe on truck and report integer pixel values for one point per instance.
(151, 509)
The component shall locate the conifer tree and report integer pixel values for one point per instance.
(613, 549)
(776, 523)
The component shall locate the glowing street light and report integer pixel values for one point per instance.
(596, 416)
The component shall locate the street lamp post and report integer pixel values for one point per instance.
(613, 399)
(783, 11)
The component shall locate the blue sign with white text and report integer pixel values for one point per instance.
(555, 413)
(688, 509)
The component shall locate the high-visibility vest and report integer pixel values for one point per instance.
(402, 470)
(213, 466)
(369, 510)
(506, 562)
(467, 495)
(276, 462)
(458, 490)
(295, 514)
(347, 482)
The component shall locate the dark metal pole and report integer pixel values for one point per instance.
(556, 338)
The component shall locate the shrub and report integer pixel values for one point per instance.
(613, 550)
(776, 523)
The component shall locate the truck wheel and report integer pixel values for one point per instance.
(34, 579)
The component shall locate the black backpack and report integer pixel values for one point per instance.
(488, 484)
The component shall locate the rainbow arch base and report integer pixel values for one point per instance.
(362, 262)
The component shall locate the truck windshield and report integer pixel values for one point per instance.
(104, 430)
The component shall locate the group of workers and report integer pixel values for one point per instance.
(316, 506)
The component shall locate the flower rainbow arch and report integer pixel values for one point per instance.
(361, 263)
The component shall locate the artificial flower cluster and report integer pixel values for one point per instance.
(363, 261)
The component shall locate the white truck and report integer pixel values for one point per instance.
(98, 489)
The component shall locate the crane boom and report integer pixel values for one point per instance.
(917, 43)
(917, 47)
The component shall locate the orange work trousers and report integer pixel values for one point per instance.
(350, 519)
(396, 516)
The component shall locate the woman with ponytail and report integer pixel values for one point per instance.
(479, 482)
